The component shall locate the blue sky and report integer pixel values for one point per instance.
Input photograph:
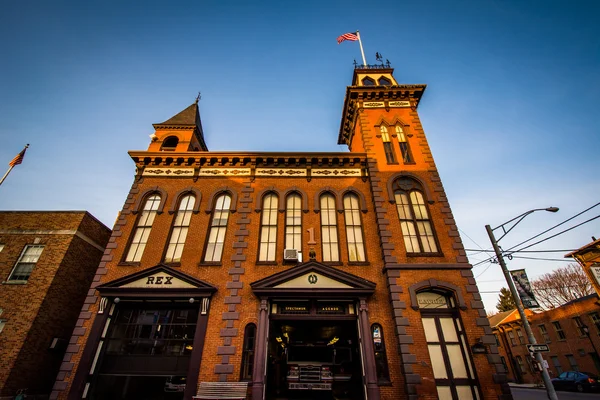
(509, 112)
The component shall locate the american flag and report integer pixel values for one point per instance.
(347, 36)
(18, 158)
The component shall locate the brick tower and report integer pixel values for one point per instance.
(337, 272)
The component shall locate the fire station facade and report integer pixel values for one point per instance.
(269, 267)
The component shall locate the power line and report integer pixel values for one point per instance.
(555, 226)
(541, 259)
(553, 236)
(528, 251)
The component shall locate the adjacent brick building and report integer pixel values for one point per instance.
(231, 266)
(47, 262)
(571, 331)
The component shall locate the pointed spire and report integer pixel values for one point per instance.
(186, 119)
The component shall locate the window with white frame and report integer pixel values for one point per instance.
(293, 222)
(24, 266)
(448, 350)
(579, 325)
(354, 237)
(520, 336)
(557, 366)
(329, 238)
(143, 228)
(181, 225)
(544, 333)
(417, 228)
(511, 336)
(268, 229)
(572, 362)
(559, 331)
(218, 228)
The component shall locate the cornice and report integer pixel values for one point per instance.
(286, 164)
(357, 95)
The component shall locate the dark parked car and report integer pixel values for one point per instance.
(579, 381)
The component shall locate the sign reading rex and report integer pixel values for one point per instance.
(159, 280)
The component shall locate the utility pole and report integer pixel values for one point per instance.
(511, 285)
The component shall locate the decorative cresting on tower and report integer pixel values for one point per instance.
(420, 244)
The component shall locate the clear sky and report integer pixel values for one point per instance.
(510, 112)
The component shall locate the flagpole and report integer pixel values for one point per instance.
(361, 49)
(6, 174)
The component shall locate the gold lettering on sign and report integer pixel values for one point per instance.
(374, 104)
(290, 308)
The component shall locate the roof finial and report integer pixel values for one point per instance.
(198, 97)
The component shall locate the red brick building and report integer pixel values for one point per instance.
(571, 331)
(47, 263)
(341, 272)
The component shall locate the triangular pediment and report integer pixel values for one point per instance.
(313, 278)
(159, 281)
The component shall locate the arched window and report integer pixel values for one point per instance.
(387, 146)
(248, 352)
(142, 229)
(218, 228)
(329, 239)
(268, 229)
(180, 228)
(417, 229)
(170, 143)
(404, 147)
(447, 344)
(381, 363)
(354, 237)
(293, 222)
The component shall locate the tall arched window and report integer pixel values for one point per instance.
(268, 229)
(403, 143)
(142, 229)
(293, 222)
(447, 344)
(381, 362)
(387, 146)
(354, 237)
(218, 228)
(329, 239)
(248, 352)
(417, 229)
(180, 228)
(170, 143)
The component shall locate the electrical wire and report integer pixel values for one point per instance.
(553, 236)
(529, 251)
(555, 226)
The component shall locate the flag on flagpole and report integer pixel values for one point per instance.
(347, 36)
(18, 158)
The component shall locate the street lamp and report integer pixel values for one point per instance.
(513, 290)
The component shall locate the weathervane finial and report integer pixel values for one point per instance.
(198, 97)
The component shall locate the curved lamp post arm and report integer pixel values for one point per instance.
(520, 218)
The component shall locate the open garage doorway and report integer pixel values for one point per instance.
(314, 359)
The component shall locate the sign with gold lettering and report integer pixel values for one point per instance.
(159, 280)
(399, 103)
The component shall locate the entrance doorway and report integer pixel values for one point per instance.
(314, 359)
(147, 352)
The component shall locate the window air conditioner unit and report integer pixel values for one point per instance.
(290, 255)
